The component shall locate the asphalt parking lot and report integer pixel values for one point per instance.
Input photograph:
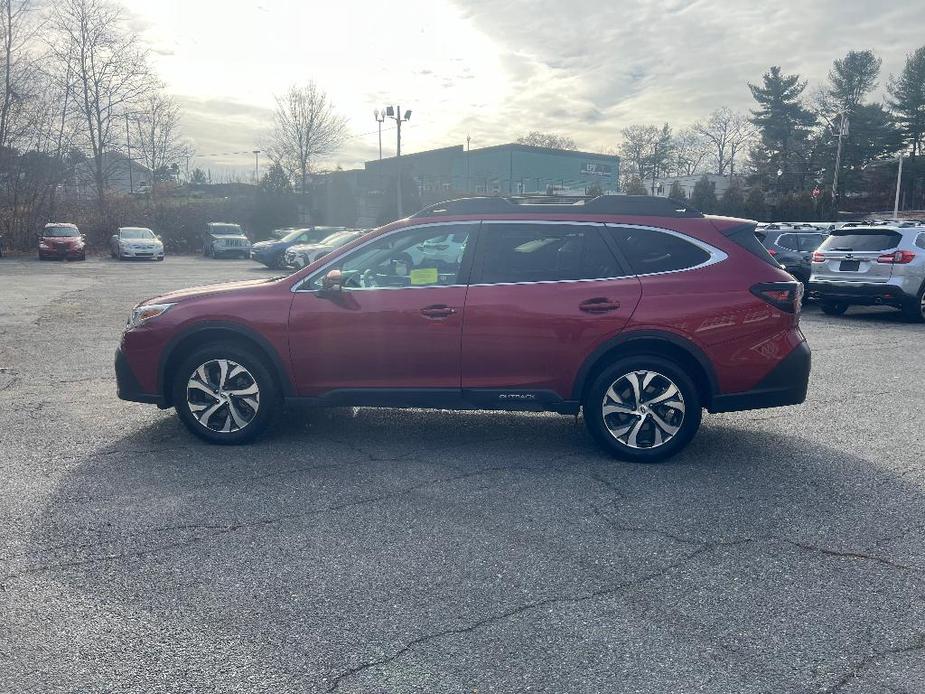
(417, 551)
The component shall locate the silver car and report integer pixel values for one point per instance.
(304, 254)
(872, 265)
(136, 242)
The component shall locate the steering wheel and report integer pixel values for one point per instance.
(368, 279)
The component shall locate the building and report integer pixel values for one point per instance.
(439, 174)
(720, 184)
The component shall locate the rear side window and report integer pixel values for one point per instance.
(920, 240)
(861, 240)
(810, 242)
(649, 251)
(543, 253)
(788, 241)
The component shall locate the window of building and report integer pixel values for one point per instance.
(543, 253)
(649, 251)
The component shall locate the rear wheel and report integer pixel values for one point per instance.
(914, 310)
(831, 308)
(643, 409)
(225, 394)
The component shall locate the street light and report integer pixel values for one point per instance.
(396, 115)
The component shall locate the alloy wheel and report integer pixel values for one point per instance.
(223, 395)
(643, 409)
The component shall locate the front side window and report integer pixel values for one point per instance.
(511, 253)
(651, 251)
(431, 256)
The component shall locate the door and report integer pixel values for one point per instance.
(396, 323)
(543, 296)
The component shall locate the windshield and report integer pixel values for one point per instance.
(295, 234)
(226, 230)
(61, 231)
(861, 240)
(136, 233)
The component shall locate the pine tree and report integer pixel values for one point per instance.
(784, 126)
(733, 201)
(907, 100)
(703, 197)
(677, 192)
(755, 207)
(635, 187)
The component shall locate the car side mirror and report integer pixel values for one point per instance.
(115, 237)
(333, 281)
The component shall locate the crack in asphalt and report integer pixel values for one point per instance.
(335, 682)
(918, 644)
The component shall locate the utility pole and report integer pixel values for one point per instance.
(468, 140)
(399, 118)
(257, 166)
(842, 131)
(899, 182)
(128, 148)
(654, 167)
(380, 117)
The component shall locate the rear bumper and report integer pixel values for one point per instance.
(860, 294)
(127, 386)
(785, 385)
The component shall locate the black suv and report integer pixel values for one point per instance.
(793, 249)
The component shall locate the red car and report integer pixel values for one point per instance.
(62, 241)
(636, 310)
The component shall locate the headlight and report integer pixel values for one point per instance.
(142, 314)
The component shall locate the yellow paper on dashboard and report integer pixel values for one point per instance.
(426, 275)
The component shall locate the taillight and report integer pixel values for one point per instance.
(772, 252)
(818, 257)
(785, 296)
(897, 258)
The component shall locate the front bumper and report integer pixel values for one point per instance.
(127, 386)
(141, 252)
(65, 252)
(786, 384)
(267, 257)
(860, 294)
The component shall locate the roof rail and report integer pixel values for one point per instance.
(631, 205)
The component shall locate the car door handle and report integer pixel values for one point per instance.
(438, 311)
(599, 304)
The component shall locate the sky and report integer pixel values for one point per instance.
(494, 70)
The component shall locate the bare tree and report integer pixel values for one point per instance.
(306, 127)
(730, 133)
(19, 23)
(108, 70)
(639, 141)
(690, 150)
(157, 133)
(535, 138)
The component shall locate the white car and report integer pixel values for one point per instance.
(304, 254)
(136, 242)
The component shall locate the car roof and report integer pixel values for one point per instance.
(60, 224)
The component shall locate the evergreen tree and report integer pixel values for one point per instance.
(784, 126)
(703, 197)
(733, 201)
(907, 100)
(677, 192)
(850, 80)
(755, 207)
(635, 187)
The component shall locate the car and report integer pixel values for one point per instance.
(304, 254)
(62, 241)
(136, 242)
(633, 310)
(271, 253)
(792, 249)
(222, 239)
(873, 265)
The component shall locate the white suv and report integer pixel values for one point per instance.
(872, 265)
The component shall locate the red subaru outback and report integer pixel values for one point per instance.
(637, 310)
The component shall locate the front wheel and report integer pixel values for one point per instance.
(225, 394)
(643, 409)
(834, 309)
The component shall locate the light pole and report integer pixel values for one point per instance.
(128, 149)
(842, 131)
(256, 153)
(399, 118)
(380, 117)
(899, 182)
(468, 140)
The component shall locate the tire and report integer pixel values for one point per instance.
(830, 308)
(914, 310)
(634, 435)
(224, 423)
(160, 260)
